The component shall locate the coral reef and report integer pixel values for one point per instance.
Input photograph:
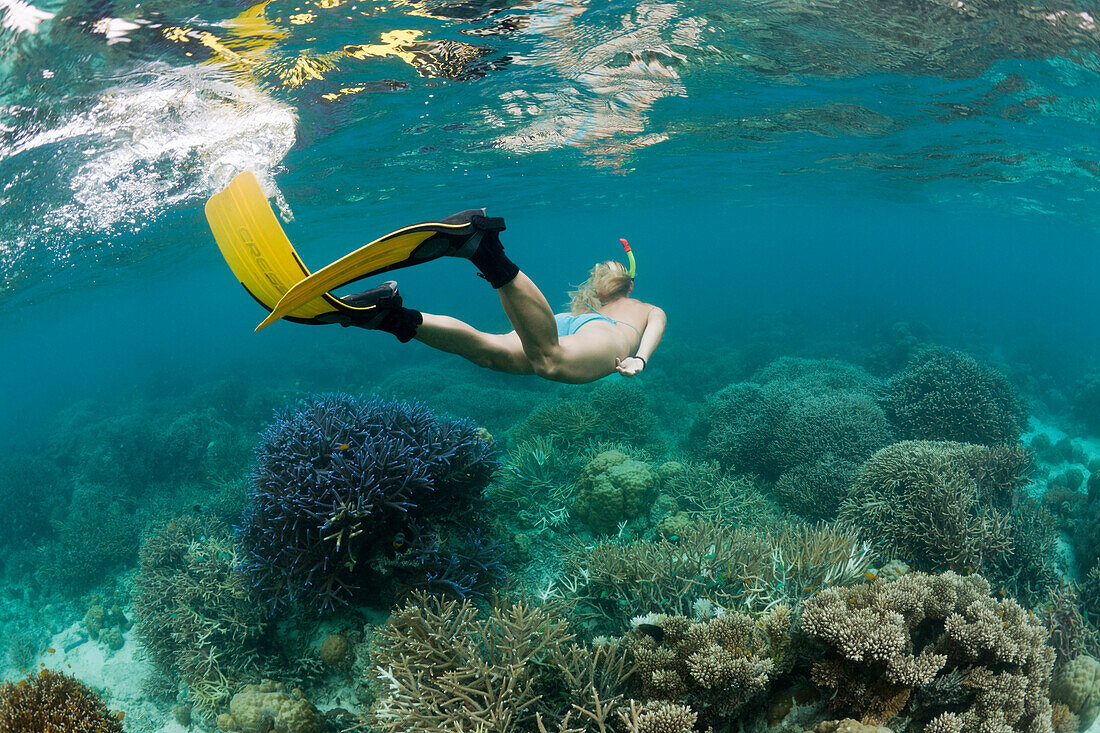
(341, 481)
(709, 564)
(1086, 402)
(485, 398)
(52, 702)
(1090, 594)
(815, 490)
(946, 395)
(268, 706)
(1071, 634)
(984, 662)
(609, 412)
(612, 488)
(466, 568)
(813, 419)
(702, 489)
(194, 612)
(714, 667)
(442, 666)
(135, 451)
(539, 476)
(658, 717)
(955, 506)
(30, 490)
(97, 535)
(1085, 537)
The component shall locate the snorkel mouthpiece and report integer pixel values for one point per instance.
(629, 258)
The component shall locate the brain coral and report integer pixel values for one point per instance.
(338, 478)
(613, 487)
(51, 702)
(946, 395)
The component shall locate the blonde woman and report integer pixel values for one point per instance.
(605, 331)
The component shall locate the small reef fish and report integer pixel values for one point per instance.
(651, 630)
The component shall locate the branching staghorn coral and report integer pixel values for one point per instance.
(705, 490)
(1071, 633)
(537, 470)
(340, 479)
(52, 702)
(793, 412)
(946, 395)
(885, 640)
(944, 506)
(445, 667)
(731, 567)
(817, 556)
(714, 667)
(607, 412)
(195, 615)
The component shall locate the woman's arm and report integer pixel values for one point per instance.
(651, 338)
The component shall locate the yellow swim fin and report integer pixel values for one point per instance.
(264, 261)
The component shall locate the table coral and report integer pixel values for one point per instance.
(983, 661)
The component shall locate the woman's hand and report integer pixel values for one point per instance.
(630, 366)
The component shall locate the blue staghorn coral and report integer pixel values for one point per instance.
(342, 481)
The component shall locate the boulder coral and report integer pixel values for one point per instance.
(268, 706)
(612, 488)
(1077, 685)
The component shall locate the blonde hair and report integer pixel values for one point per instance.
(606, 282)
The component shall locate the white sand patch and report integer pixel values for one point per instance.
(117, 675)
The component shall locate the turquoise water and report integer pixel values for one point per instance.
(795, 178)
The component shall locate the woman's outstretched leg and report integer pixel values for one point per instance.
(500, 352)
(533, 346)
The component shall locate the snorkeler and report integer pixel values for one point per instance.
(606, 330)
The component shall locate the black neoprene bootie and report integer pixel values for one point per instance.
(483, 247)
(381, 311)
